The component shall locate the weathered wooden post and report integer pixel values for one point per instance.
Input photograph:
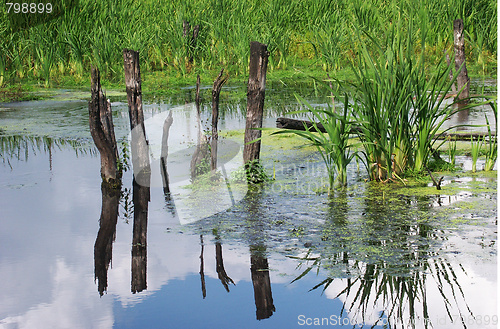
(142, 170)
(201, 152)
(255, 99)
(215, 118)
(133, 87)
(102, 131)
(140, 147)
(192, 46)
(463, 84)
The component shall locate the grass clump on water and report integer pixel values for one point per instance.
(395, 106)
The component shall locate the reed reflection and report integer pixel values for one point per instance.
(19, 147)
(385, 267)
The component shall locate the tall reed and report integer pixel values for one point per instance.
(97, 32)
(492, 153)
(399, 105)
(475, 150)
(452, 150)
(333, 144)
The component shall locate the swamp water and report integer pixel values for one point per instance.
(281, 256)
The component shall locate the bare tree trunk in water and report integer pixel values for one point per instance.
(255, 99)
(460, 66)
(139, 146)
(142, 170)
(215, 118)
(201, 151)
(102, 131)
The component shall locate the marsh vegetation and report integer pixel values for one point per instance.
(319, 36)
(387, 247)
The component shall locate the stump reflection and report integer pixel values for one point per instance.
(103, 247)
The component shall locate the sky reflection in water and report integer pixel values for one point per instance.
(374, 255)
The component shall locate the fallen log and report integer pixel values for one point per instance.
(286, 123)
(465, 136)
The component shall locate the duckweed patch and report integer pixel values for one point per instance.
(270, 143)
(369, 221)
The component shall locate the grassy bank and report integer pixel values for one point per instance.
(312, 36)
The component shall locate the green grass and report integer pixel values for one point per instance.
(475, 149)
(395, 103)
(311, 35)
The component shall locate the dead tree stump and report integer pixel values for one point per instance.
(139, 146)
(142, 170)
(132, 72)
(215, 118)
(463, 84)
(102, 131)
(255, 100)
(200, 155)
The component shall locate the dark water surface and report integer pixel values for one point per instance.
(73, 255)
